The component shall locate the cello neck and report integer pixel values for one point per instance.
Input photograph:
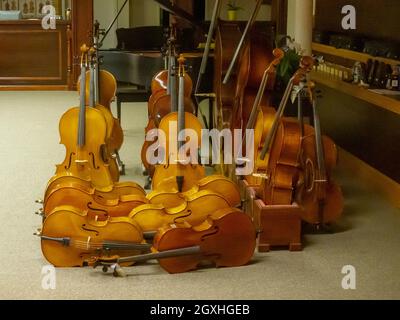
(279, 113)
(318, 144)
(249, 25)
(82, 107)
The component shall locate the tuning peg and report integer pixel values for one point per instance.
(40, 212)
(39, 201)
(38, 233)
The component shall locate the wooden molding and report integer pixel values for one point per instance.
(379, 100)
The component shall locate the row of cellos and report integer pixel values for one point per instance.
(89, 218)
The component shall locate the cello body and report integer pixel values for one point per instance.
(194, 210)
(84, 237)
(311, 191)
(283, 165)
(85, 162)
(192, 172)
(170, 196)
(87, 199)
(227, 238)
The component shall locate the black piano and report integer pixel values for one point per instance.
(138, 58)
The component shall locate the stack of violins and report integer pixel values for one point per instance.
(91, 219)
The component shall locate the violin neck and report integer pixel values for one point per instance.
(82, 109)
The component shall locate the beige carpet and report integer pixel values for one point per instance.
(367, 237)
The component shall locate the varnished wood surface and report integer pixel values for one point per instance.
(31, 55)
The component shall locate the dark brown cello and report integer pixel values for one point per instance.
(227, 238)
(320, 196)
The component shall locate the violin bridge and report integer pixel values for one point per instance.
(82, 162)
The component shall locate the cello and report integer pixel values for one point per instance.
(73, 238)
(108, 154)
(163, 101)
(83, 131)
(283, 145)
(320, 196)
(186, 171)
(262, 115)
(227, 238)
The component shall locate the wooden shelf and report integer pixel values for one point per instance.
(379, 100)
(348, 54)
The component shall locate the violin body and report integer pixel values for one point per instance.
(85, 162)
(87, 199)
(311, 190)
(226, 238)
(191, 172)
(194, 210)
(87, 237)
(284, 164)
(170, 196)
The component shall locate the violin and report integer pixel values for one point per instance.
(187, 174)
(85, 198)
(195, 208)
(170, 197)
(83, 131)
(320, 196)
(227, 238)
(72, 238)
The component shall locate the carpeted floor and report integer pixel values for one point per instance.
(367, 237)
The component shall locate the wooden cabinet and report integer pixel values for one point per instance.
(32, 58)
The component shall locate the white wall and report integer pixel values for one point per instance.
(247, 5)
(105, 12)
(144, 13)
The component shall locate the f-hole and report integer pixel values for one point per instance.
(212, 232)
(90, 230)
(91, 154)
(89, 206)
(70, 160)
